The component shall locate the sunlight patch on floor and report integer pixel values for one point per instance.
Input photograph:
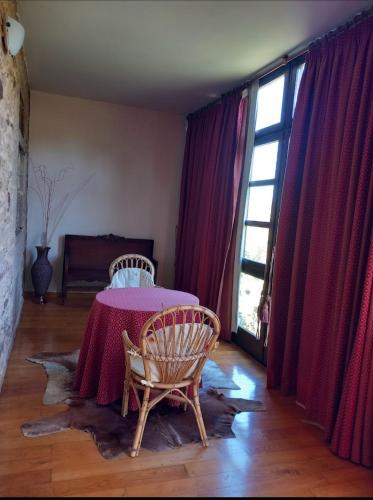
(246, 384)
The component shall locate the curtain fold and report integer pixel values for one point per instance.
(353, 434)
(325, 226)
(210, 188)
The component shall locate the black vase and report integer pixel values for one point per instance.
(41, 274)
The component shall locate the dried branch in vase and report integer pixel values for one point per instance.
(46, 189)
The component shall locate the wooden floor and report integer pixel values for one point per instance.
(274, 453)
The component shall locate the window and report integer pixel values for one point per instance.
(276, 98)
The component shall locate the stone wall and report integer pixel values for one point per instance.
(14, 118)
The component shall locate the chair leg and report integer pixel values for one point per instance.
(199, 418)
(143, 414)
(185, 405)
(126, 393)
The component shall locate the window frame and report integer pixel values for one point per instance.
(249, 341)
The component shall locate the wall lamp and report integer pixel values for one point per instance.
(13, 35)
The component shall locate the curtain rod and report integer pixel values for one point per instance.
(299, 50)
(265, 70)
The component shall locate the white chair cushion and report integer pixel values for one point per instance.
(137, 366)
(191, 330)
(132, 277)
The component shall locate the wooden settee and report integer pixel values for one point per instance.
(87, 259)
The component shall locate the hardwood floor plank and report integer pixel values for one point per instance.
(168, 488)
(102, 482)
(37, 452)
(25, 465)
(344, 489)
(18, 484)
(120, 492)
(40, 490)
(64, 468)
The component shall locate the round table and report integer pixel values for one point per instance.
(101, 365)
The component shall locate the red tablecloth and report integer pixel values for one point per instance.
(101, 367)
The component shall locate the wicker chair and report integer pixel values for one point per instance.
(174, 346)
(131, 261)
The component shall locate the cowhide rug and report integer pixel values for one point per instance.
(60, 368)
(166, 427)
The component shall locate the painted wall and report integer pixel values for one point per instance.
(13, 186)
(135, 159)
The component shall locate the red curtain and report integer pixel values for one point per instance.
(210, 187)
(324, 228)
(353, 434)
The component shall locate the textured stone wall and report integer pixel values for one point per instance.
(14, 116)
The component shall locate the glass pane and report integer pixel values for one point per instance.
(250, 290)
(297, 84)
(269, 103)
(256, 239)
(264, 161)
(260, 203)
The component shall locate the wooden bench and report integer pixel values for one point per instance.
(87, 259)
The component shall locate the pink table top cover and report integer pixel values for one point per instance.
(101, 366)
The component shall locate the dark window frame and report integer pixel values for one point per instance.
(279, 132)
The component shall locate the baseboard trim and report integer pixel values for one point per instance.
(56, 295)
(28, 294)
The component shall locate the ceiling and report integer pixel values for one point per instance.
(165, 55)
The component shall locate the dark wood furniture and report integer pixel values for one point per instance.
(87, 259)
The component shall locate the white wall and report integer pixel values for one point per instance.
(136, 157)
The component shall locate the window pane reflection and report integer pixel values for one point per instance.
(256, 239)
(260, 203)
(264, 161)
(250, 290)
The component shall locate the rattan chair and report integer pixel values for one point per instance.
(131, 261)
(174, 346)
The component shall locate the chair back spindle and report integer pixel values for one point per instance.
(129, 261)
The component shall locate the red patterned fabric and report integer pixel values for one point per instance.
(101, 366)
(210, 186)
(325, 224)
(353, 433)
